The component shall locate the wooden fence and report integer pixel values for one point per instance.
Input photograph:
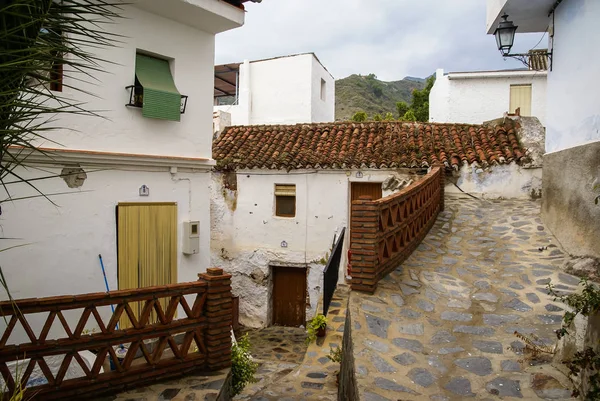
(168, 347)
(384, 232)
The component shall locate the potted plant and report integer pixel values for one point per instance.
(317, 327)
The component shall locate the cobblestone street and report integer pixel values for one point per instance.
(442, 326)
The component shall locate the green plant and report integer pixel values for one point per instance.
(409, 116)
(585, 303)
(359, 116)
(388, 117)
(316, 323)
(377, 117)
(401, 108)
(243, 368)
(335, 354)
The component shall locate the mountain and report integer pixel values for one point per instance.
(367, 93)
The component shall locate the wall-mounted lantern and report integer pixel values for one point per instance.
(505, 39)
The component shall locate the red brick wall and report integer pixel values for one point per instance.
(386, 231)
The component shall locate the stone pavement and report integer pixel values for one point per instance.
(193, 387)
(288, 376)
(441, 327)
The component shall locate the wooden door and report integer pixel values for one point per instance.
(372, 189)
(147, 248)
(289, 296)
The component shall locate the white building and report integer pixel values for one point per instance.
(478, 96)
(133, 180)
(572, 166)
(282, 90)
(280, 194)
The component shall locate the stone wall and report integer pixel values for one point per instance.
(348, 389)
(568, 207)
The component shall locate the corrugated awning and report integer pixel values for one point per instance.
(161, 98)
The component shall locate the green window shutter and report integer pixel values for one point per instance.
(161, 98)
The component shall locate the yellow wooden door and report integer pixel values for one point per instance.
(520, 97)
(147, 248)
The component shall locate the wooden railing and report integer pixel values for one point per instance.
(168, 347)
(386, 231)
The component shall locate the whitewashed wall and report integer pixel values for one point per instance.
(476, 97)
(498, 182)
(124, 129)
(246, 236)
(61, 242)
(281, 90)
(322, 110)
(573, 86)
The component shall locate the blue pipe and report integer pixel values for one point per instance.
(106, 283)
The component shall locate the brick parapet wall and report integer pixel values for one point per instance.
(219, 313)
(386, 231)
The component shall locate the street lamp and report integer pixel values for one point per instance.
(505, 35)
(505, 38)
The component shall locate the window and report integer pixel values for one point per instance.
(285, 200)
(323, 90)
(154, 90)
(520, 97)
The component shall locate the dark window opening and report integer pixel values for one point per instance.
(285, 206)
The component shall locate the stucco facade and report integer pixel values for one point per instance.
(478, 96)
(247, 239)
(283, 90)
(573, 119)
(57, 241)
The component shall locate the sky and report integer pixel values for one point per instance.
(390, 38)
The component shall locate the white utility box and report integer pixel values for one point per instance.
(191, 237)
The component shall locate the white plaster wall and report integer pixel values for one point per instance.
(237, 112)
(246, 235)
(498, 182)
(475, 100)
(281, 90)
(323, 111)
(573, 85)
(124, 129)
(61, 242)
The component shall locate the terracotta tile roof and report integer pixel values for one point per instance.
(366, 145)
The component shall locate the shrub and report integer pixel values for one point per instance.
(359, 116)
(243, 368)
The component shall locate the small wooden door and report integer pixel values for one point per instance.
(372, 189)
(289, 296)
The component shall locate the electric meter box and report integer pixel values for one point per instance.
(191, 237)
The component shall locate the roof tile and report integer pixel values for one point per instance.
(371, 144)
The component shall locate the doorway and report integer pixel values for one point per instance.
(289, 296)
(371, 189)
(147, 248)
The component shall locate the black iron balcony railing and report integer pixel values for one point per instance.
(136, 97)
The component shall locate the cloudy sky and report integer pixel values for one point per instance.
(390, 38)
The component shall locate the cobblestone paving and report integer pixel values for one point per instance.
(193, 387)
(292, 375)
(441, 327)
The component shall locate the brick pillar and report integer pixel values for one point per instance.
(219, 313)
(363, 243)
